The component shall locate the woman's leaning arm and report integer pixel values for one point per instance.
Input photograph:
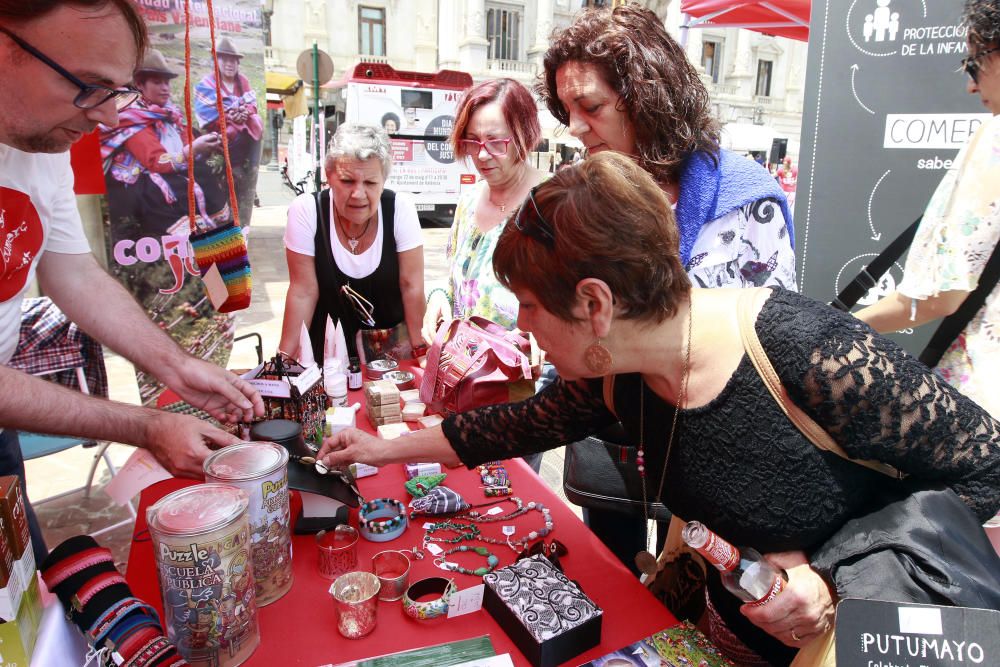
(893, 312)
(562, 413)
(411, 288)
(353, 446)
(300, 302)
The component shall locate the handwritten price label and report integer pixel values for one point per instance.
(467, 601)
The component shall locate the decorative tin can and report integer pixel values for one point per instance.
(201, 539)
(261, 469)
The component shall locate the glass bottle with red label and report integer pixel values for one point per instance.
(745, 573)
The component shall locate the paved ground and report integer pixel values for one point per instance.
(75, 514)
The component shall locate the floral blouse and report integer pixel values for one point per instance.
(747, 247)
(960, 229)
(473, 288)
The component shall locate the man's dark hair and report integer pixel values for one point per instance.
(19, 11)
(982, 18)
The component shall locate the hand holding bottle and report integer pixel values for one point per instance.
(805, 608)
(784, 596)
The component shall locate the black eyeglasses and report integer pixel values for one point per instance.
(91, 95)
(971, 64)
(541, 229)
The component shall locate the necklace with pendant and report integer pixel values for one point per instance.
(353, 241)
(645, 560)
(502, 205)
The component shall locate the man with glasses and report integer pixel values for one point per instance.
(958, 233)
(65, 67)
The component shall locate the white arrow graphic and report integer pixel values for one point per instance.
(875, 235)
(854, 71)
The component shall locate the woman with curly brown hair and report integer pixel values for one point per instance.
(619, 82)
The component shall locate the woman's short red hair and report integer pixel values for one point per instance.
(519, 112)
(607, 219)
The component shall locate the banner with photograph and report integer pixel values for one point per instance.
(145, 161)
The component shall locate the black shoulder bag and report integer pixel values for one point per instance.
(950, 326)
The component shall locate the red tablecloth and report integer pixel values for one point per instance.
(301, 628)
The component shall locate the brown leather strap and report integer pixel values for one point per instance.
(609, 393)
(748, 305)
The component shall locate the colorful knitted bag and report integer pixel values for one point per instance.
(223, 247)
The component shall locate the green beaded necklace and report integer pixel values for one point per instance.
(491, 561)
(465, 532)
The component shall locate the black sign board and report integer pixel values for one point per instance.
(871, 633)
(885, 113)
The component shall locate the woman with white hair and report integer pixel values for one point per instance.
(354, 250)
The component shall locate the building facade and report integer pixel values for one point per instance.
(756, 81)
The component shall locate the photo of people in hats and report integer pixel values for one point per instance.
(146, 159)
(244, 126)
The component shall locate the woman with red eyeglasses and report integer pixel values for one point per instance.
(496, 127)
(958, 234)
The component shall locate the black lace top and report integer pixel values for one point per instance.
(740, 466)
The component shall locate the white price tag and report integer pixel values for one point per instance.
(428, 525)
(434, 549)
(508, 530)
(495, 510)
(467, 601)
(447, 567)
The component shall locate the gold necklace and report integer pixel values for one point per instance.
(645, 560)
(502, 205)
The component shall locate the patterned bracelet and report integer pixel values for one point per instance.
(382, 519)
(495, 480)
(423, 611)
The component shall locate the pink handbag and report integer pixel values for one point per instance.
(472, 363)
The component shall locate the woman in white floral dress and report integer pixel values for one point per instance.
(959, 231)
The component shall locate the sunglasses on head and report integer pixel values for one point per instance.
(971, 64)
(538, 228)
(363, 308)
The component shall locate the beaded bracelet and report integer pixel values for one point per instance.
(438, 289)
(382, 519)
(422, 611)
(491, 561)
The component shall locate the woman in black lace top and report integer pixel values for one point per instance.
(592, 258)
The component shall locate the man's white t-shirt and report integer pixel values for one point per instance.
(37, 214)
(300, 234)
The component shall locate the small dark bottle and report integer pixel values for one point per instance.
(354, 374)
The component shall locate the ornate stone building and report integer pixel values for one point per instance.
(756, 81)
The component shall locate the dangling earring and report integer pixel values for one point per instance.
(597, 358)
